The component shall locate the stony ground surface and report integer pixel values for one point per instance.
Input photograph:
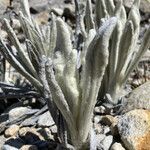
(27, 127)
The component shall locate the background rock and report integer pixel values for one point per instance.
(139, 98)
(134, 129)
(3, 6)
(144, 5)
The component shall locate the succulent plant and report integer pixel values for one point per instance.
(124, 50)
(52, 63)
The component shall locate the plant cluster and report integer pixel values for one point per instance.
(71, 77)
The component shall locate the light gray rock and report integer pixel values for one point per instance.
(117, 146)
(45, 120)
(2, 141)
(53, 129)
(17, 112)
(29, 121)
(106, 130)
(100, 137)
(139, 98)
(134, 129)
(105, 143)
(9, 147)
(97, 118)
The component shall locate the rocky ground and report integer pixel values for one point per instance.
(26, 124)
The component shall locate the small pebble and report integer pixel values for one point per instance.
(11, 131)
(29, 147)
(117, 146)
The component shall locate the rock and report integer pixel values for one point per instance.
(29, 121)
(100, 137)
(106, 130)
(23, 131)
(145, 6)
(3, 6)
(13, 144)
(69, 12)
(11, 131)
(134, 129)
(99, 110)
(46, 133)
(108, 120)
(29, 147)
(53, 129)
(2, 127)
(3, 35)
(98, 128)
(16, 113)
(114, 129)
(2, 141)
(105, 143)
(97, 118)
(139, 98)
(8, 147)
(117, 146)
(56, 4)
(57, 11)
(30, 135)
(37, 6)
(42, 17)
(45, 120)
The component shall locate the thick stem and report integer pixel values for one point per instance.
(79, 144)
(116, 91)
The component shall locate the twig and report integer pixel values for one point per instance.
(2, 84)
(29, 94)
